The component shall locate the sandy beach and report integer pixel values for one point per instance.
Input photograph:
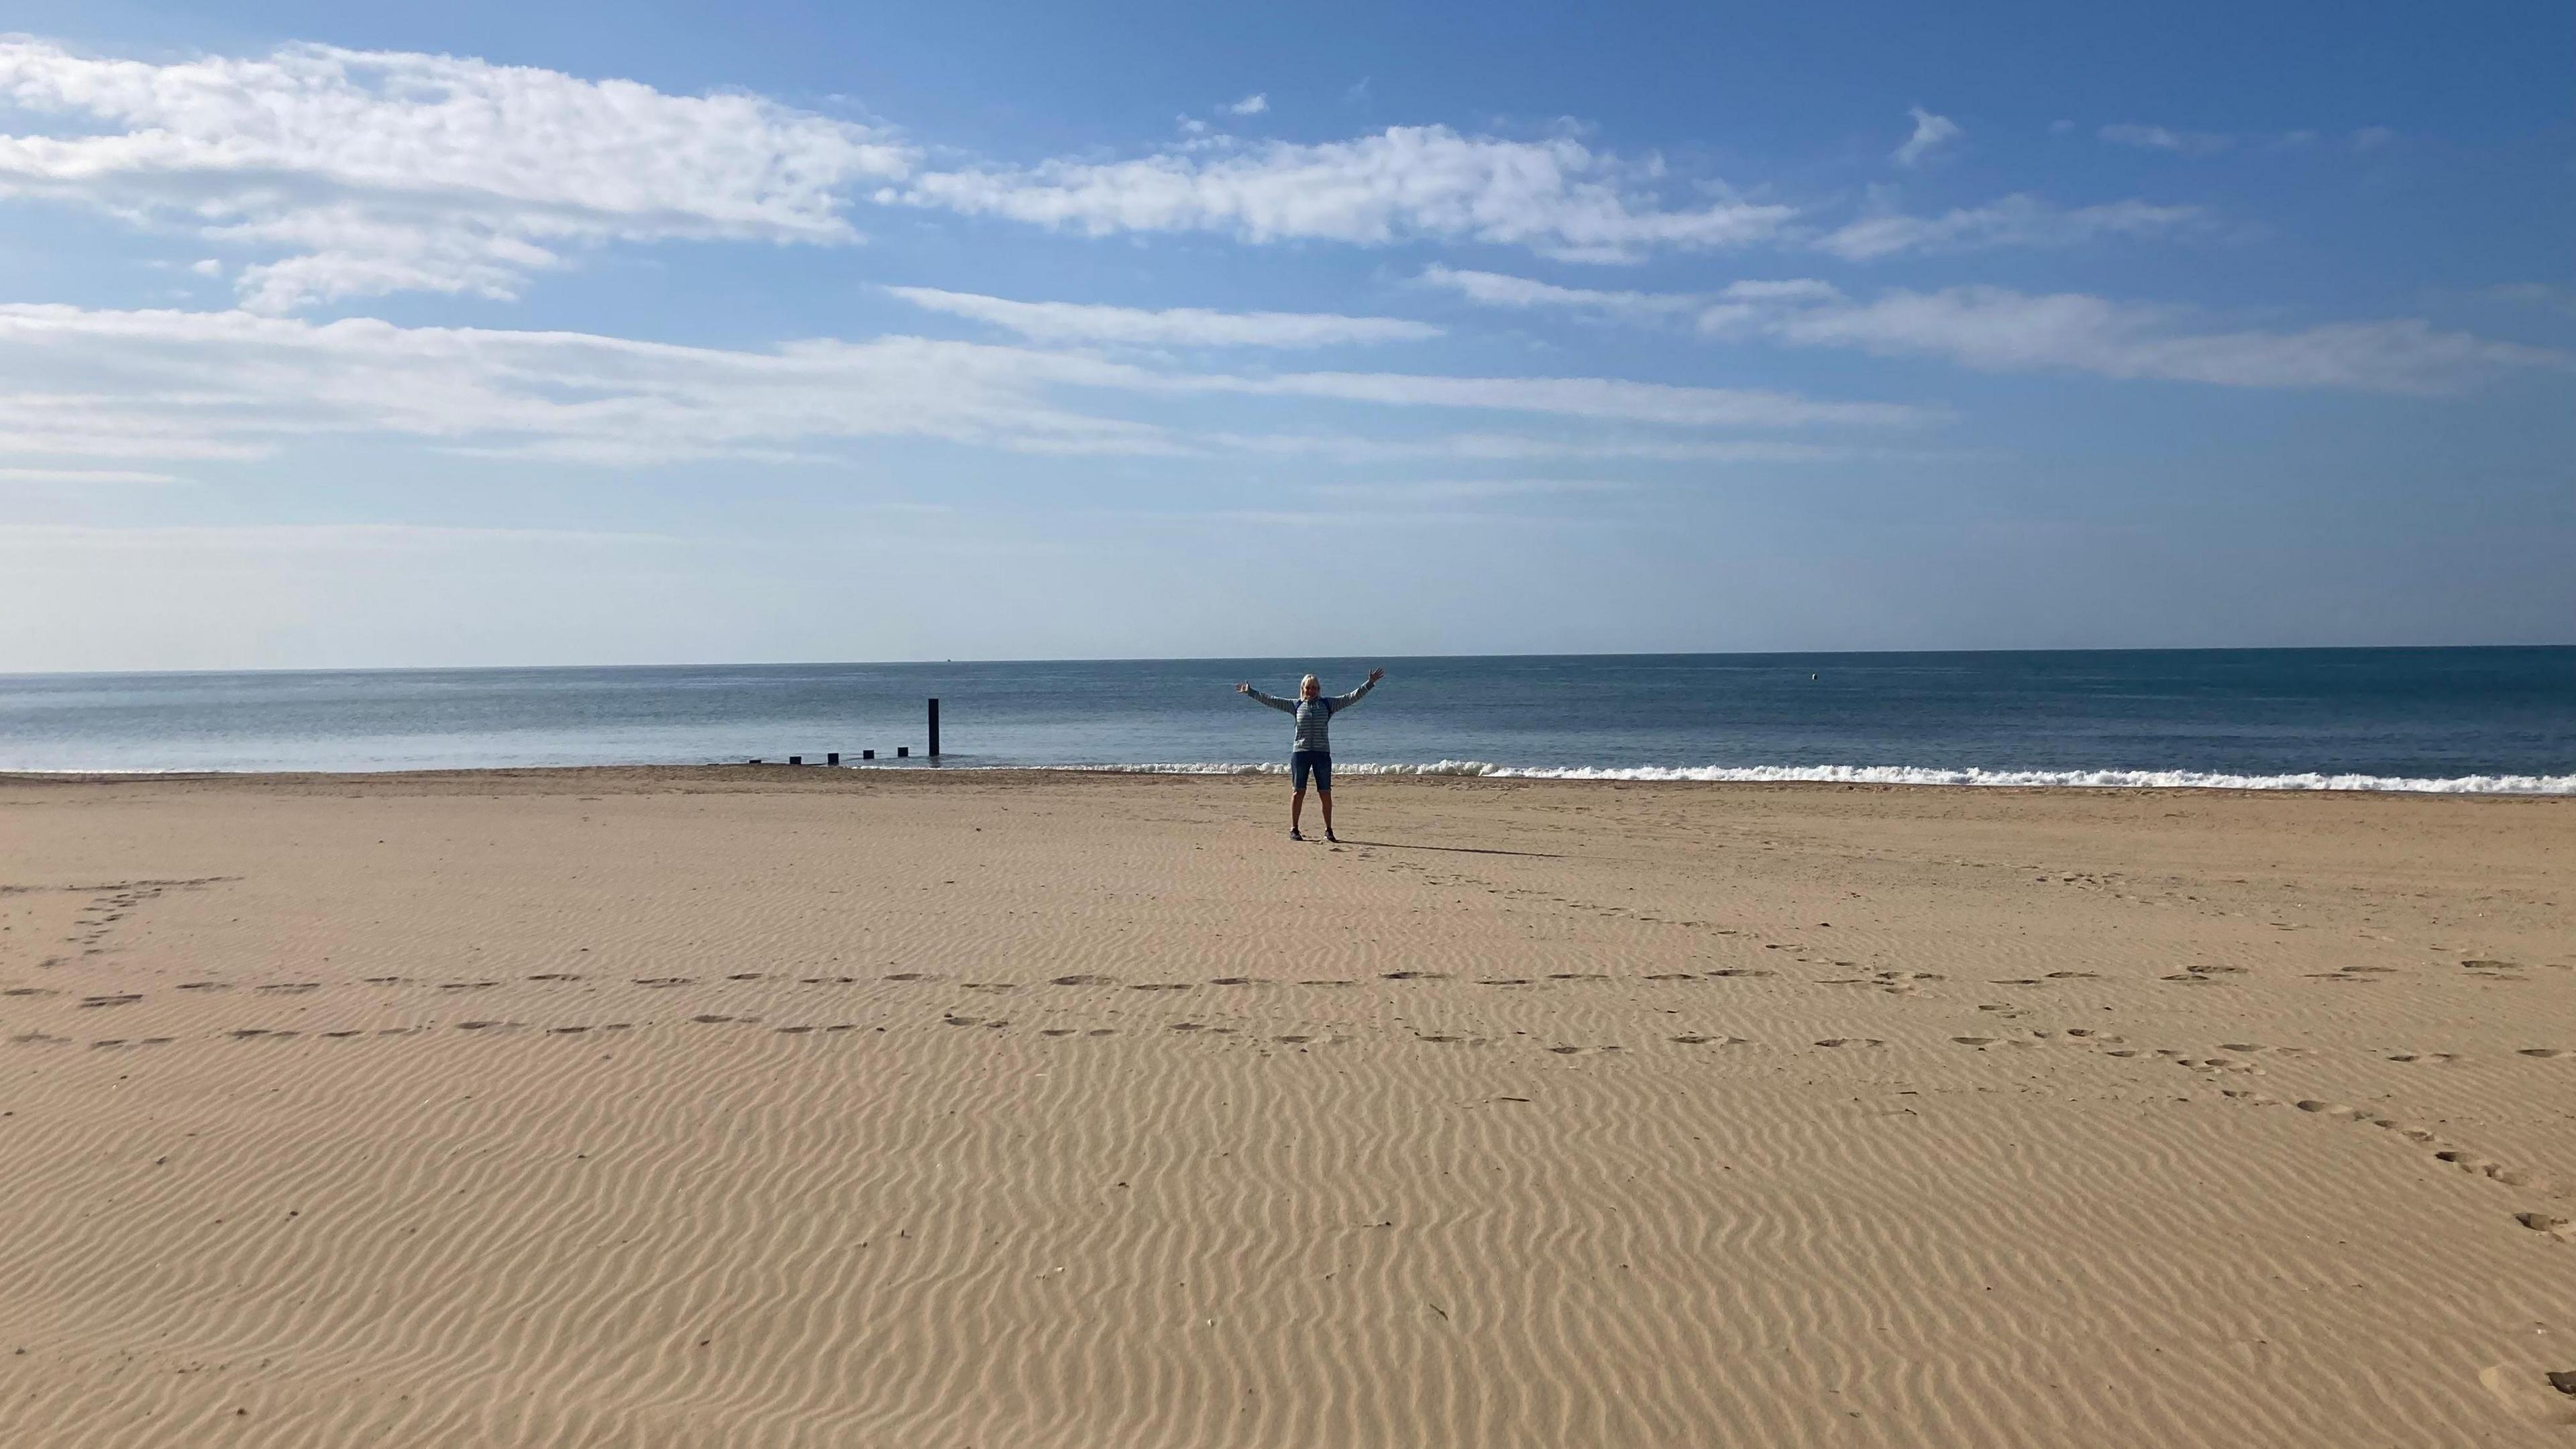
(766, 1107)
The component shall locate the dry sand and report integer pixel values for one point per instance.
(757, 1107)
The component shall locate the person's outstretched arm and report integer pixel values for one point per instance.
(1342, 702)
(1269, 699)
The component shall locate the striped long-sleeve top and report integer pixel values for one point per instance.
(1315, 716)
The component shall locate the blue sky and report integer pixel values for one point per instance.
(536, 334)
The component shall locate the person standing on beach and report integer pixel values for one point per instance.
(1312, 754)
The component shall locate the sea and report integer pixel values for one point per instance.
(2470, 720)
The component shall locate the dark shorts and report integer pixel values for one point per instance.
(1317, 763)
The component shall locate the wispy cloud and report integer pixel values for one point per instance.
(83, 476)
(1494, 289)
(1931, 132)
(1251, 105)
(82, 384)
(1997, 329)
(1063, 322)
(1408, 183)
(2000, 330)
(353, 173)
(2165, 138)
(1465, 490)
(2017, 220)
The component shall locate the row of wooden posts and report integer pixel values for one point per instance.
(901, 752)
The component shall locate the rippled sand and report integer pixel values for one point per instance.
(739, 1107)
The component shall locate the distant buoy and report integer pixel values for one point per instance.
(1811, 676)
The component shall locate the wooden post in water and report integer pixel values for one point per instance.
(867, 754)
(903, 752)
(833, 758)
(795, 759)
(934, 729)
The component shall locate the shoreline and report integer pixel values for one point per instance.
(2551, 787)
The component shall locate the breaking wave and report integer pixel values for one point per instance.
(1919, 775)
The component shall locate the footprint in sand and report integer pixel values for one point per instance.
(370, 981)
(196, 986)
(1974, 1041)
(1085, 981)
(1577, 976)
(2549, 1223)
(1293, 1040)
(1102, 1031)
(556, 976)
(660, 982)
(1672, 976)
(1323, 982)
(953, 1019)
(289, 988)
(2543, 1053)
(1161, 986)
(1414, 976)
(1232, 981)
(912, 976)
(709, 1018)
(1744, 971)
(2432, 1058)
(127, 999)
(1056, 1031)
(1839, 1041)
(2546, 1396)
(745, 976)
(1565, 1051)
(467, 985)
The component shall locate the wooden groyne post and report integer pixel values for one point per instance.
(934, 729)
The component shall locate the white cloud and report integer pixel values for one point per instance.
(1999, 330)
(1996, 329)
(369, 172)
(80, 384)
(1597, 398)
(2537, 294)
(1251, 105)
(1462, 490)
(1408, 183)
(2016, 220)
(1062, 322)
(2165, 138)
(83, 476)
(2371, 138)
(1494, 289)
(1931, 132)
(1711, 309)
(1526, 448)
(230, 540)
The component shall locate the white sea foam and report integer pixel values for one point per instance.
(1920, 775)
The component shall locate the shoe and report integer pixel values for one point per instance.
(1293, 835)
(1328, 835)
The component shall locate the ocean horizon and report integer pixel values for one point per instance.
(2495, 719)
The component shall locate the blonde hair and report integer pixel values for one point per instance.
(1309, 682)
